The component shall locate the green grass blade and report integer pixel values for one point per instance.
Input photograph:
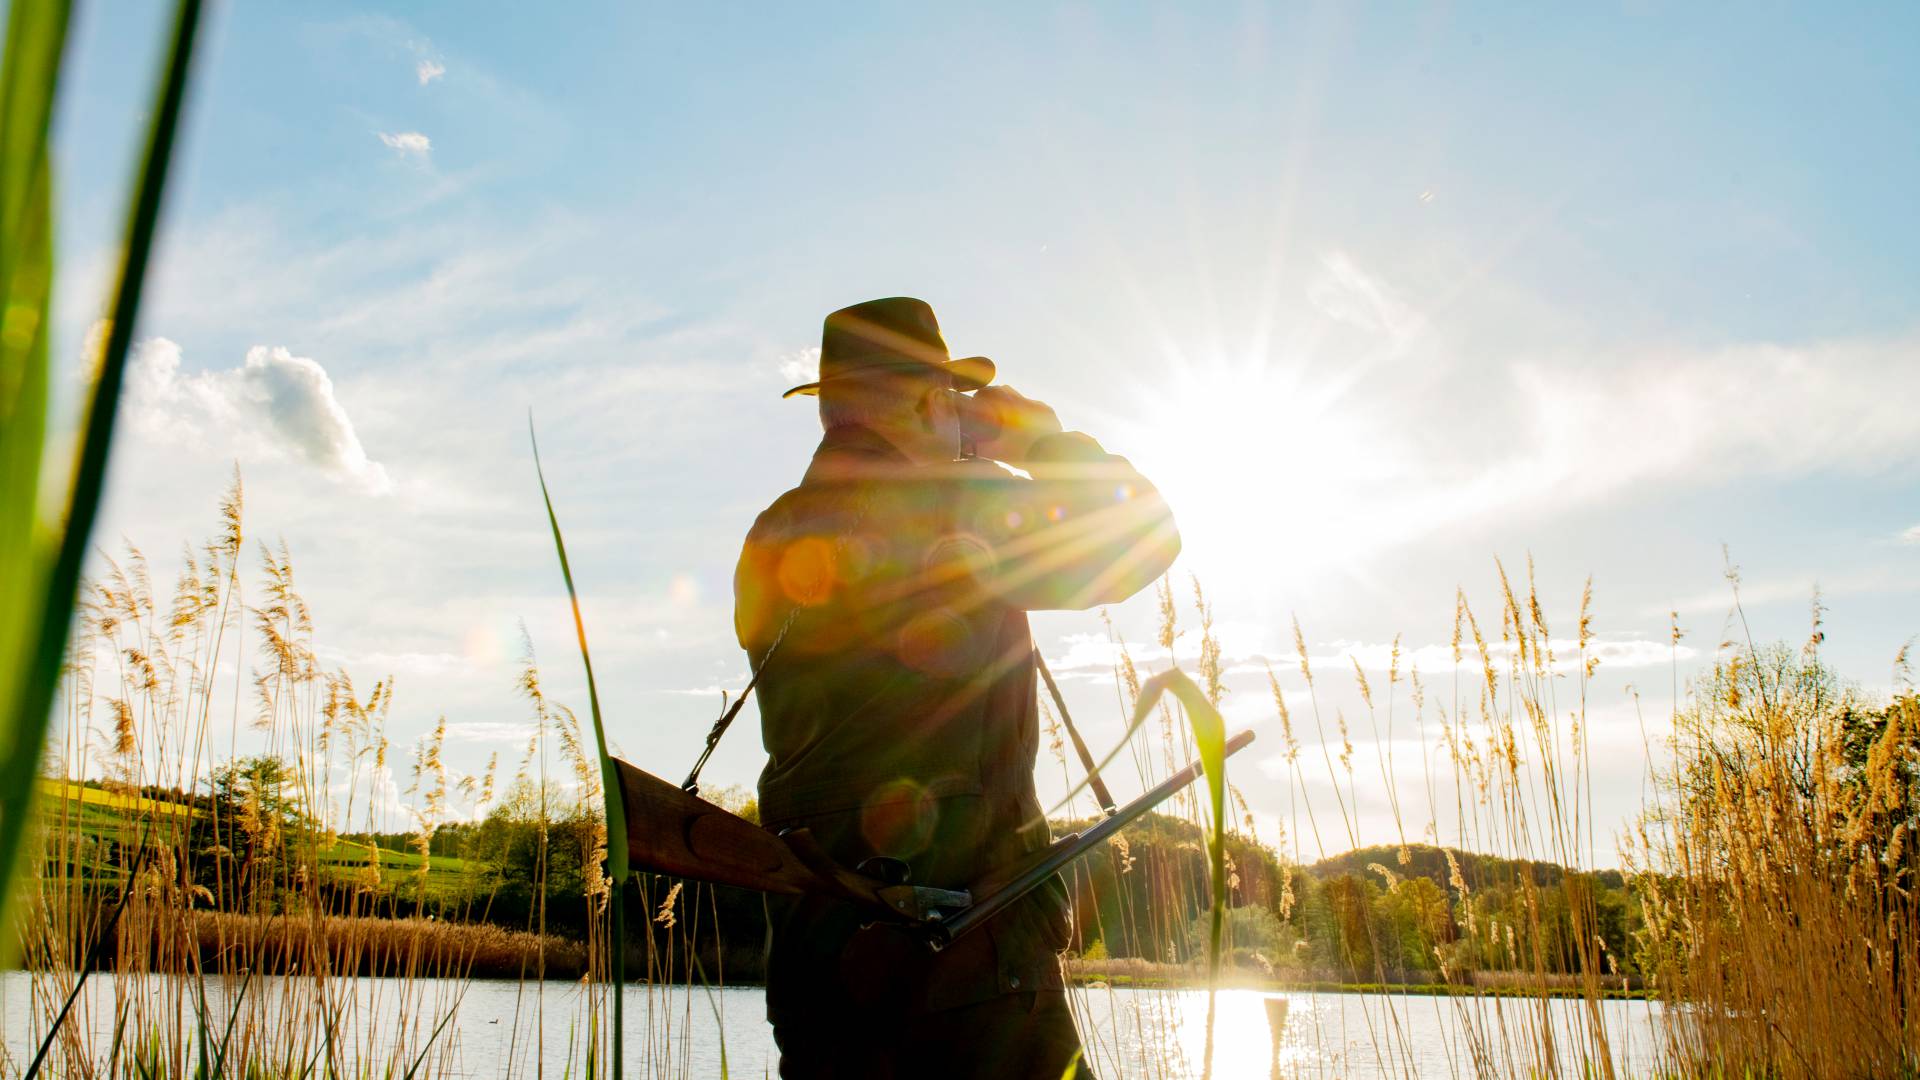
(37, 653)
(435, 1035)
(204, 1067)
(618, 963)
(119, 1030)
(92, 960)
(615, 807)
(609, 779)
(1140, 714)
(239, 1002)
(1210, 737)
(36, 41)
(333, 1021)
(146, 1067)
(1150, 691)
(566, 1069)
(713, 1003)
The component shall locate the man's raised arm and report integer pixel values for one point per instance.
(1087, 529)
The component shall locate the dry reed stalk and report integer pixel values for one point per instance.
(249, 871)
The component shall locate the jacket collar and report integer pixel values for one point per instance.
(854, 453)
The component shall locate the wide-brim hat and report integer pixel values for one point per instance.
(897, 333)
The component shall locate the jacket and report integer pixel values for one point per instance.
(899, 712)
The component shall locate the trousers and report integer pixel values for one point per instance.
(1026, 1036)
(850, 998)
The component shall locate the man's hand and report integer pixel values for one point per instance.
(1009, 423)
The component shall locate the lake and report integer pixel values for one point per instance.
(501, 1028)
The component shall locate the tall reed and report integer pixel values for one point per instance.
(159, 691)
(1778, 871)
(1770, 875)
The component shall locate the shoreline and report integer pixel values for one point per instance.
(1078, 982)
(1506, 990)
(229, 944)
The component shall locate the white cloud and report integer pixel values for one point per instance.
(1911, 535)
(1750, 409)
(449, 664)
(1093, 656)
(1613, 654)
(1566, 430)
(408, 143)
(371, 793)
(490, 731)
(1869, 579)
(428, 70)
(1345, 293)
(273, 404)
(802, 366)
(1249, 649)
(712, 690)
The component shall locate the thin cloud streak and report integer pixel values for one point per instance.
(408, 143)
(488, 731)
(1248, 652)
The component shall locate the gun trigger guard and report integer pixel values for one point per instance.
(922, 904)
(885, 869)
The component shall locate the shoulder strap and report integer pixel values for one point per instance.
(691, 785)
(1098, 785)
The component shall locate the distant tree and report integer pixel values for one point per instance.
(533, 846)
(1350, 903)
(1411, 920)
(1762, 708)
(1248, 927)
(736, 799)
(253, 819)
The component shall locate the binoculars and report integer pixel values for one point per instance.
(979, 420)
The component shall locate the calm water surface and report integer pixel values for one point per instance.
(502, 1029)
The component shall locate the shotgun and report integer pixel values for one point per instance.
(671, 831)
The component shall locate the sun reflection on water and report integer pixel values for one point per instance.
(1161, 1034)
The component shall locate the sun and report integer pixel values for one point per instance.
(1267, 473)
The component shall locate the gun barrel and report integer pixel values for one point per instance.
(995, 894)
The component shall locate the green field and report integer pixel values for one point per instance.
(87, 815)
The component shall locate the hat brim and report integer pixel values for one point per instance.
(969, 373)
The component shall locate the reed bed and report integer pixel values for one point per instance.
(210, 820)
(389, 947)
(1779, 871)
(224, 862)
(1769, 911)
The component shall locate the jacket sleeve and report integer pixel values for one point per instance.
(1086, 529)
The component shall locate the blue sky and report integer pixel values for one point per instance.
(1377, 297)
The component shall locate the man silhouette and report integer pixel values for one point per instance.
(884, 602)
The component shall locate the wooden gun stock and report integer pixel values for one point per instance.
(672, 832)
